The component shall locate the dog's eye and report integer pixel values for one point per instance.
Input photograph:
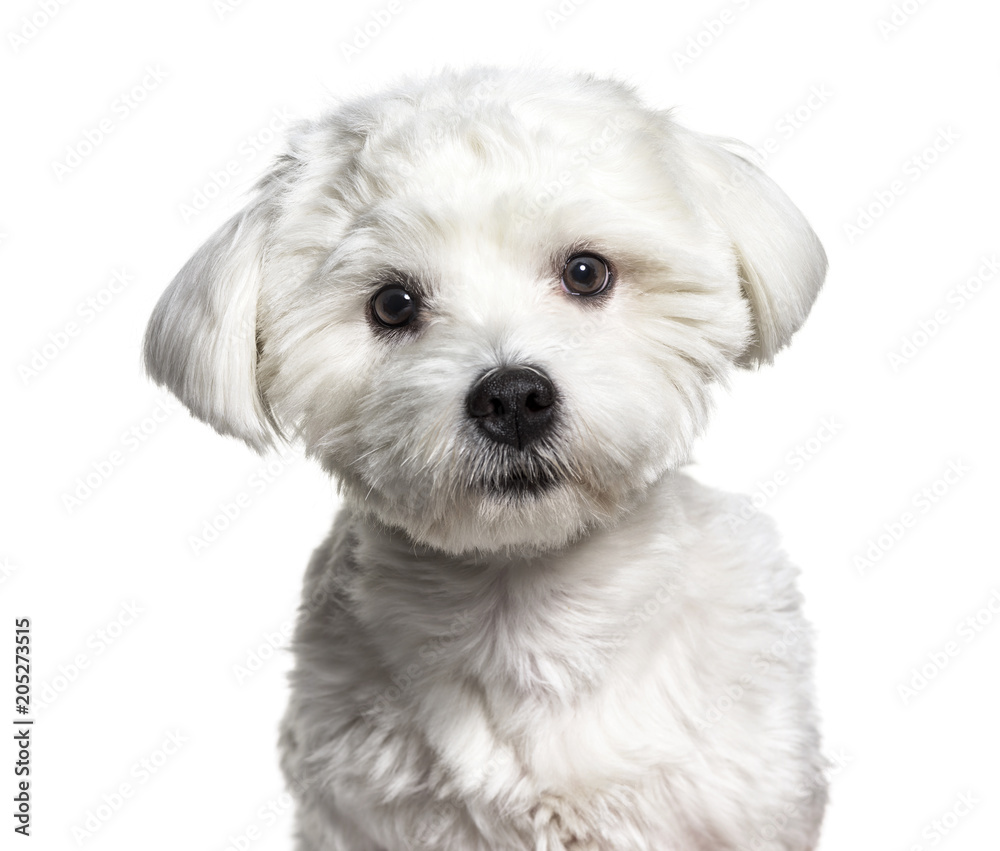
(586, 274)
(393, 306)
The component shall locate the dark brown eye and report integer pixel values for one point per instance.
(393, 306)
(586, 274)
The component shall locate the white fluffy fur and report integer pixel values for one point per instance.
(600, 665)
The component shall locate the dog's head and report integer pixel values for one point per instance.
(492, 304)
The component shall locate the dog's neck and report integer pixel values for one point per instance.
(541, 626)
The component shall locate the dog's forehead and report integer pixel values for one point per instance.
(513, 173)
(496, 190)
(498, 140)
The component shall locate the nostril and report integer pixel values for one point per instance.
(534, 404)
(482, 404)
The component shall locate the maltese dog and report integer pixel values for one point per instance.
(493, 305)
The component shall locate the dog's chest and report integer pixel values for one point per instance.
(564, 775)
(560, 725)
(557, 706)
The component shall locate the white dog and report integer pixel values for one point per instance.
(493, 304)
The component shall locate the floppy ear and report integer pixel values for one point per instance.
(781, 260)
(201, 341)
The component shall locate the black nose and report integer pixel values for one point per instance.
(513, 404)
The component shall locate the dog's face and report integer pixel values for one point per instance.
(491, 304)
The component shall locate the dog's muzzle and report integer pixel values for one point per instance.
(513, 405)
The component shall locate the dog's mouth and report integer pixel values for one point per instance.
(520, 481)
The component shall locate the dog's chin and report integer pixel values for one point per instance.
(521, 519)
(513, 513)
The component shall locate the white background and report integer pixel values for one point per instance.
(115, 686)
